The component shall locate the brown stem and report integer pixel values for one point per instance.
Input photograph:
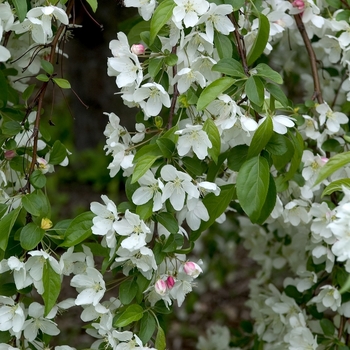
(341, 327)
(345, 3)
(240, 45)
(39, 99)
(175, 95)
(313, 61)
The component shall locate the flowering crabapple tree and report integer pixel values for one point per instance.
(242, 114)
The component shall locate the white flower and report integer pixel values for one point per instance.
(91, 287)
(195, 138)
(150, 189)
(329, 297)
(156, 95)
(280, 123)
(187, 76)
(70, 261)
(332, 119)
(22, 279)
(188, 11)
(145, 7)
(194, 212)
(295, 212)
(38, 321)
(38, 22)
(133, 227)
(216, 18)
(103, 223)
(178, 184)
(11, 315)
(143, 259)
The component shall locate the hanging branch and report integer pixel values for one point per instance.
(313, 60)
(240, 45)
(39, 99)
(175, 95)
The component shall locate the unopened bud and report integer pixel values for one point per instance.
(299, 4)
(10, 154)
(138, 49)
(324, 160)
(158, 121)
(192, 269)
(46, 223)
(170, 281)
(160, 287)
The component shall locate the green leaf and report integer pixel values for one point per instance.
(19, 163)
(334, 3)
(213, 90)
(214, 136)
(145, 211)
(166, 146)
(62, 83)
(277, 93)
(43, 77)
(21, 9)
(231, 67)
(37, 179)
(147, 327)
(6, 225)
(155, 65)
(47, 66)
(252, 186)
(278, 145)
(8, 289)
(333, 164)
(93, 4)
(171, 59)
(127, 291)
(265, 71)
(78, 230)
(31, 235)
(260, 40)
(215, 205)
(236, 4)
(52, 286)
(160, 343)
(28, 92)
(168, 221)
(142, 166)
(58, 153)
(33, 204)
(3, 89)
(327, 327)
(160, 17)
(149, 150)
(11, 127)
(254, 89)
(332, 145)
(261, 137)
(269, 202)
(336, 185)
(132, 313)
(223, 44)
(298, 144)
(237, 156)
(173, 242)
(194, 166)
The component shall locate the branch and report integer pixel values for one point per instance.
(39, 99)
(240, 44)
(175, 95)
(313, 61)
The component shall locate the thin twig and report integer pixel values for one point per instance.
(313, 61)
(175, 94)
(240, 45)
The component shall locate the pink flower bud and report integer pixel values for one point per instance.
(324, 160)
(299, 4)
(192, 269)
(170, 281)
(138, 49)
(160, 287)
(10, 154)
